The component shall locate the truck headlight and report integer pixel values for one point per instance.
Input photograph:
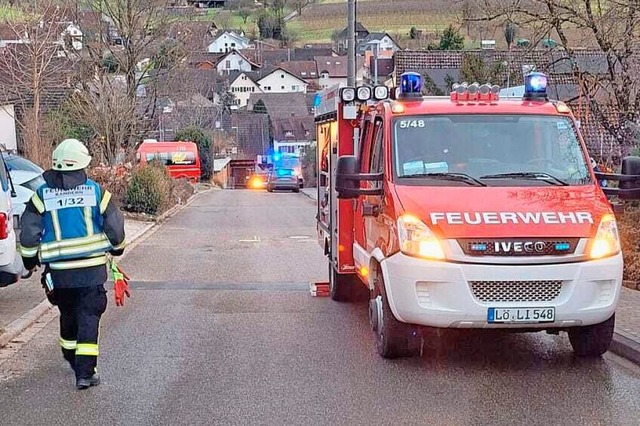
(606, 242)
(416, 239)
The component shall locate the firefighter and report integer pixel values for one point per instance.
(69, 226)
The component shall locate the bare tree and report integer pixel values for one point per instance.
(121, 106)
(612, 28)
(32, 69)
(299, 5)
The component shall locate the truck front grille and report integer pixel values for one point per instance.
(516, 291)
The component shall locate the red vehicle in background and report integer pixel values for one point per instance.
(181, 158)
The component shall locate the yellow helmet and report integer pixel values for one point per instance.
(70, 155)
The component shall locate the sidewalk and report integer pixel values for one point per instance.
(626, 341)
(22, 297)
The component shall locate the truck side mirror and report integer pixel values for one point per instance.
(348, 179)
(346, 171)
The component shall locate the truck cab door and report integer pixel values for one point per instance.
(368, 221)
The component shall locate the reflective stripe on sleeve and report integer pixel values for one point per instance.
(28, 251)
(121, 245)
(106, 197)
(76, 264)
(37, 203)
(68, 344)
(89, 349)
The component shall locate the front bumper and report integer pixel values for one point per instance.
(440, 294)
(11, 273)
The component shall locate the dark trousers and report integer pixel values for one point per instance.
(80, 312)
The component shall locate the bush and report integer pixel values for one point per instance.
(630, 238)
(114, 179)
(205, 148)
(150, 189)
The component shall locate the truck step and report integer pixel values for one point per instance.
(319, 289)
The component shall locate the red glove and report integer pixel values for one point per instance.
(121, 288)
(120, 284)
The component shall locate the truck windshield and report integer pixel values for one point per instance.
(497, 150)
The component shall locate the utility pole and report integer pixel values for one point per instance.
(351, 43)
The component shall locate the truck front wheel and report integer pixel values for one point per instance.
(592, 340)
(393, 338)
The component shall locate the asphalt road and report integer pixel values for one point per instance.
(221, 329)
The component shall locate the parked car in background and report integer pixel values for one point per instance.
(11, 267)
(17, 162)
(26, 177)
(283, 179)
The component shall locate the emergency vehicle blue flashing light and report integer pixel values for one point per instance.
(410, 85)
(535, 86)
(276, 156)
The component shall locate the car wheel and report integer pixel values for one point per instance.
(592, 340)
(394, 339)
(296, 190)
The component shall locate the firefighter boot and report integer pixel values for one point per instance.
(87, 383)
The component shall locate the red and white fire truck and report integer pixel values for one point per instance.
(467, 211)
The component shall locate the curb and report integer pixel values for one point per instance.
(625, 347)
(18, 326)
(25, 321)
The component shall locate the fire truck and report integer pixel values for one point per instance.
(468, 212)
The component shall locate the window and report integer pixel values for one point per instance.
(489, 148)
(227, 64)
(281, 75)
(288, 134)
(182, 158)
(376, 155)
(303, 73)
(281, 87)
(240, 63)
(294, 88)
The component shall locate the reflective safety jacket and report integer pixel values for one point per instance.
(75, 227)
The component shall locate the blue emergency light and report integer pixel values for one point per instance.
(410, 85)
(535, 86)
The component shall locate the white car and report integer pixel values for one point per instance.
(11, 267)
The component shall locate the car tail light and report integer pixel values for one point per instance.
(4, 227)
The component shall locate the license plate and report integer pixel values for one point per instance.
(520, 315)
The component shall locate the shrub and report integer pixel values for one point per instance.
(149, 190)
(114, 179)
(205, 148)
(630, 238)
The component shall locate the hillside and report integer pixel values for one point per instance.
(396, 17)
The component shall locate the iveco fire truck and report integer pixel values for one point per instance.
(467, 211)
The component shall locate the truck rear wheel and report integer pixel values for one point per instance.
(592, 340)
(393, 338)
(342, 287)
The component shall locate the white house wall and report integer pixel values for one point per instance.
(8, 127)
(242, 88)
(282, 82)
(227, 42)
(233, 62)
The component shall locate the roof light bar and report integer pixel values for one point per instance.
(474, 92)
(380, 93)
(348, 94)
(363, 93)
